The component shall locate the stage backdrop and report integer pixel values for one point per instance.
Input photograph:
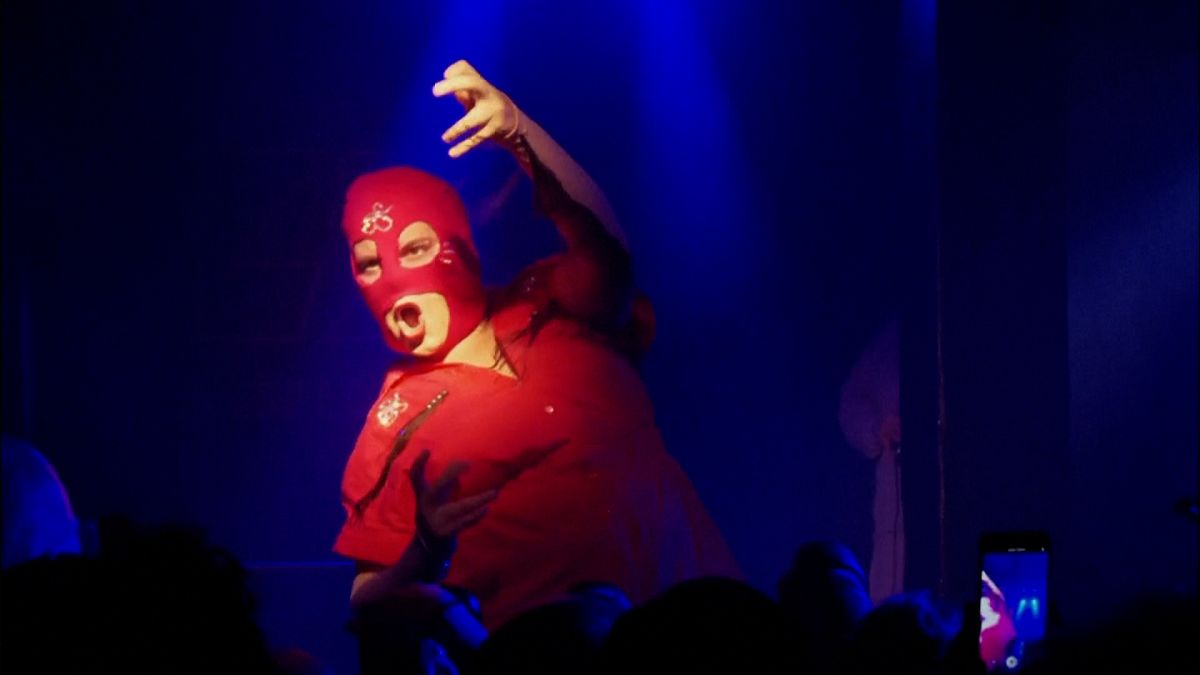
(182, 337)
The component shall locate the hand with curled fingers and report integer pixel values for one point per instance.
(439, 518)
(489, 111)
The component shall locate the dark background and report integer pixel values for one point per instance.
(183, 340)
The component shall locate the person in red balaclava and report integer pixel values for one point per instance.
(515, 453)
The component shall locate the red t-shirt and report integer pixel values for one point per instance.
(587, 491)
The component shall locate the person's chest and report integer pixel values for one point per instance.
(497, 425)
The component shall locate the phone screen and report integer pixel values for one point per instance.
(1012, 604)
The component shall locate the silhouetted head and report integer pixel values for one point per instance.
(824, 596)
(906, 635)
(560, 638)
(709, 625)
(825, 591)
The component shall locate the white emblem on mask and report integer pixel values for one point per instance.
(377, 220)
(390, 409)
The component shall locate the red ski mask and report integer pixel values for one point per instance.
(412, 255)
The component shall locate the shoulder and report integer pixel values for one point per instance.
(521, 308)
(531, 283)
(401, 368)
(527, 296)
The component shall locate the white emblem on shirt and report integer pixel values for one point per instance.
(390, 409)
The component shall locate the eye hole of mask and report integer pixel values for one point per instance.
(418, 245)
(417, 252)
(366, 262)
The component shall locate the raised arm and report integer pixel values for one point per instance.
(592, 281)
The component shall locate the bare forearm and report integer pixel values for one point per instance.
(576, 182)
(399, 594)
(417, 564)
(592, 279)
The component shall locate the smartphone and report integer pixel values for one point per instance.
(1014, 575)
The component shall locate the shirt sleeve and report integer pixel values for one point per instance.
(371, 543)
(382, 530)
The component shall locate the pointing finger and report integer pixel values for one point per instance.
(445, 483)
(416, 473)
(461, 83)
(469, 519)
(480, 136)
(460, 67)
(472, 119)
(466, 506)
